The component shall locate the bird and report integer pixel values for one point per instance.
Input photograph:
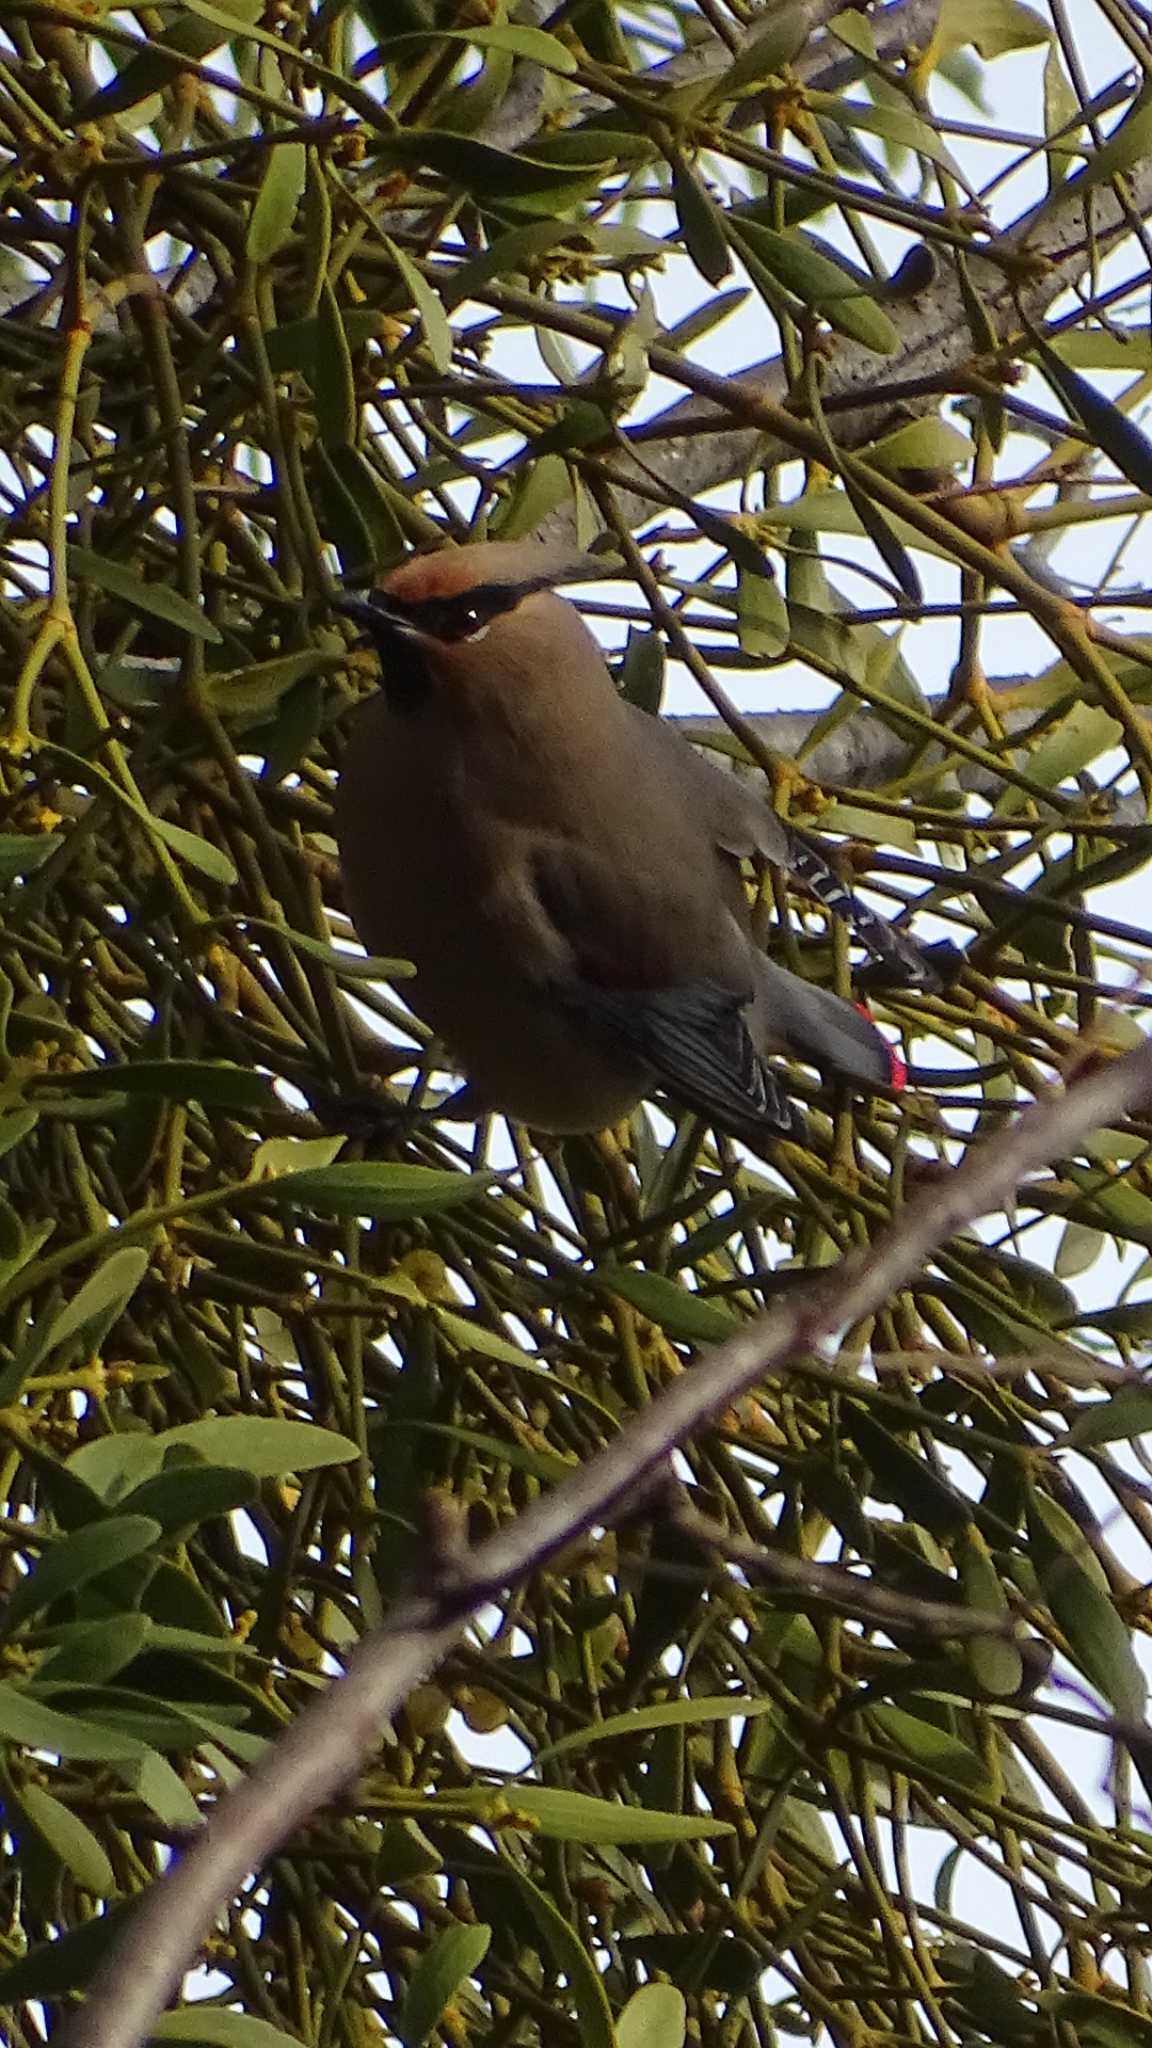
(563, 869)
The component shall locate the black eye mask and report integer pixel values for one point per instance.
(462, 617)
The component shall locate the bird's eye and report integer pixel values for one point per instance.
(473, 617)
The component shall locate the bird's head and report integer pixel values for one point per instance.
(454, 597)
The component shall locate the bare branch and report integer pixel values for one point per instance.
(322, 1752)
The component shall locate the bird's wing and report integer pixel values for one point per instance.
(627, 981)
(738, 821)
(742, 825)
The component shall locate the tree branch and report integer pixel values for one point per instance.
(325, 1748)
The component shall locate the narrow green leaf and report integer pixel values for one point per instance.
(433, 319)
(1078, 1250)
(535, 45)
(104, 1296)
(274, 209)
(157, 599)
(1111, 430)
(682, 1314)
(1126, 1413)
(578, 1817)
(389, 1192)
(762, 616)
(255, 691)
(266, 1445)
(214, 1084)
(994, 1661)
(27, 1720)
(333, 377)
(452, 1957)
(832, 288)
(701, 224)
(67, 1962)
(212, 2026)
(920, 1742)
(1129, 142)
(69, 1839)
(765, 54)
(91, 1652)
(21, 853)
(669, 1714)
(593, 2013)
(77, 1558)
(152, 69)
(199, 853)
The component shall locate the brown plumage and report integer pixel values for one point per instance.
(562, 869)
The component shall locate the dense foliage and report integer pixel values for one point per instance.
(286, 291)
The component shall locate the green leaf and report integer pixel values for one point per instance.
(1129, 142)
(157, 599)
(433, 319)
(919, 1742)
(571, 1958)
(535, 45)
(21, 853)
(274, 210)
(104, 1295)
(701, 224)
(452, 1957)
(831, 287)
(68, 1838)
(656, 2016)
(994, 27)
(111, 1465)
(212, 2026)
(641, 673)
(255, 691)
(669, 1714)
(542, 482)
(762, 615)
(267, 1446)
(83, 1555)
(27, 1720)
(1073, 1582)
(161, 1789)
(68, 1961)
(1109, 429)
(527, 183)
(994, 1661)
(90, 1652)
(578, 1817)
(1072, 745)
(215, 1084)
(1126, 1413)
(898, 125)
(333, 377)
(183, 1496)
(683, 1315)
(388, 1192)
(764, 55)
(189, 846)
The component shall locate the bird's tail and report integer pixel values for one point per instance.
(816, 1025)
(906, 962)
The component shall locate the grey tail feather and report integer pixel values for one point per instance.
(816, 1025)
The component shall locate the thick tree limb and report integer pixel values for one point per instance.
(325, 1748)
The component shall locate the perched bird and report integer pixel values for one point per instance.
(563, 869)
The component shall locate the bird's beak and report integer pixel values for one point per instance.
(371, 613)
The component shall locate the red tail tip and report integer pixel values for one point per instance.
(897, 1071)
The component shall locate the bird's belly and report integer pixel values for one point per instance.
(513, 1041)
(522, 1054)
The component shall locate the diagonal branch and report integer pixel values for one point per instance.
(324, 1750)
